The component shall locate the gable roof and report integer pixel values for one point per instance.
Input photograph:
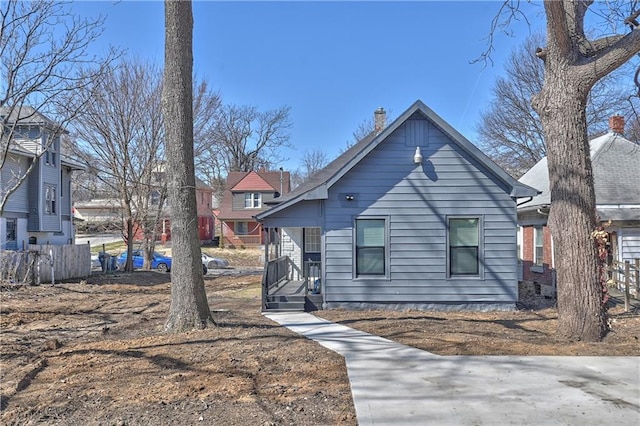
(252, 182)
(261, 181)
(26, 115)
(616, 174)
(317, 187)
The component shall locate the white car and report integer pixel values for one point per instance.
(213, 262)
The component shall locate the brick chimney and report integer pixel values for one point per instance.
(616, 124)
(380, 119)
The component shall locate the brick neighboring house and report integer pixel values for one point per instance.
(110, 211)
(245, 195)
(206, 227)
(616, 171)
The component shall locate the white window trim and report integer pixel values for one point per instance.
(251, 199)
(50, 202)
(538, 269)
(319, 241)
(520, 243)
(535, 246)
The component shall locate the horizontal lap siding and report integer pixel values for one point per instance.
(416, 200)
(18, 201)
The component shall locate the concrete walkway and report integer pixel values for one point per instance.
(394, 384)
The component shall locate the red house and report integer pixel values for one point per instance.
(245, 195)
(206, 227)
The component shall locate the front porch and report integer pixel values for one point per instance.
(281, 292)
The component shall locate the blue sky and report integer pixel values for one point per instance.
(332, 62)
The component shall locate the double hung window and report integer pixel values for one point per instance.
(538, 242)
(312, 240)
(50, 199)
(371, 247)
(464, 246)
(252, 200)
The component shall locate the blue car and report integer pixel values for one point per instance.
(160, 262)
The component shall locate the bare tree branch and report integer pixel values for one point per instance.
(121, 131)
(37, 69)
(247, 139)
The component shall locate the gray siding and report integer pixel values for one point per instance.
(51, 176)
(35, 207)
(65, 194)
(14, 167)
(416, 200)
(304, 213)
(237, 202)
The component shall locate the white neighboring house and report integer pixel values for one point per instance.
(39, 211)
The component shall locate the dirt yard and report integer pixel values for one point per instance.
(94, 353)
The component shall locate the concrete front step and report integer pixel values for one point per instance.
(285, 298)
(295, 302)
(285, 306)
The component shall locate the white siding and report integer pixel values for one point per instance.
(292, 247)
(629, 243)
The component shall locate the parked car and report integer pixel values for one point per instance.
(213, 262)
(159, 261)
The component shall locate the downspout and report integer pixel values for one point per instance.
(524, 202)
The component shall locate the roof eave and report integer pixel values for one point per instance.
(521, 191)
(320, 192)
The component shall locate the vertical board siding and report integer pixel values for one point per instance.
(416, 200)
(417, 133)
(44, 263)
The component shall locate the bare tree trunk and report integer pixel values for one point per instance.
(189, 308)
(581, 310)
(128, 266)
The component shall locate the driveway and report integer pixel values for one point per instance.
(98, 239)
(394, 384)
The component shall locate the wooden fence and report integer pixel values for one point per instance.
(625, 276)
(45, 264)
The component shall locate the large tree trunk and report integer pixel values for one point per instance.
(561, 105)
(572, 219)
(189, 308)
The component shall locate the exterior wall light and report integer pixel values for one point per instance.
(349, 197)
(417, 157)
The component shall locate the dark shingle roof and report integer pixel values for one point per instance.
(616, 172)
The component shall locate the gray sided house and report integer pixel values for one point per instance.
(412, 216)
(39, 210)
